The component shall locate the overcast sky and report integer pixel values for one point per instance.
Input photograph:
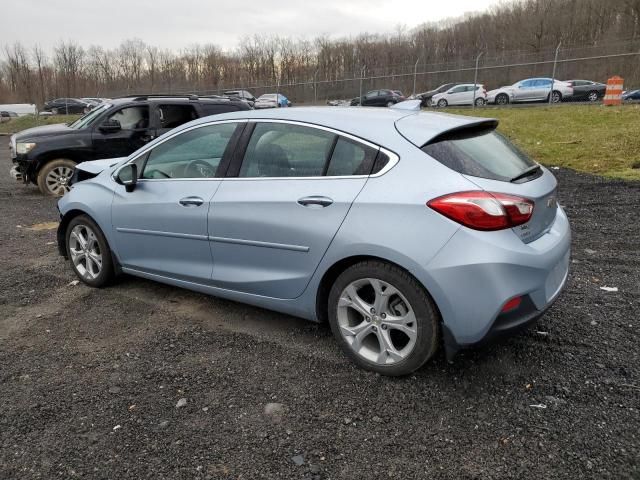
(178, 23)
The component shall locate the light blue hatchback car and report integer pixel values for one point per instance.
(405, 230)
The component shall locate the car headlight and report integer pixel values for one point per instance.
(24, 148)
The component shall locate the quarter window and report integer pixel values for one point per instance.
(193, 154)
(350, 158)
(285, 150)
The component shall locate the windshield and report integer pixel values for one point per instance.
(89, 117)
(268, 96)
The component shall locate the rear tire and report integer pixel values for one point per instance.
(398, 338)
(442, 103)
(502, 99)
(479, 102)
(54, 176)
(89, 252)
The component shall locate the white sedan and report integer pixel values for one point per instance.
(461, 95)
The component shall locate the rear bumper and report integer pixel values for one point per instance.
(473, 276)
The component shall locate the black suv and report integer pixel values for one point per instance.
(47, 155)
(243, 95)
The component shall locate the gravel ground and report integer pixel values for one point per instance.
(90, 379)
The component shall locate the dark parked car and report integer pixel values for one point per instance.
(631, 95)
(587, 90)
(66, 106)
(379, 98)
(425, 97)
(243, 95)
(47, 155)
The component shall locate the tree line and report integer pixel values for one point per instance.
(525, 31)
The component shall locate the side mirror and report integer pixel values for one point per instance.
(111, 125)
(128, 176)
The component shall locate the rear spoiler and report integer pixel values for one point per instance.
(423, 128)
(465, 131)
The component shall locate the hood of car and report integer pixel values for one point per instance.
(501, 89)
(44, 131)
(94, 167)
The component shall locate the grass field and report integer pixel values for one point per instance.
(586, 138)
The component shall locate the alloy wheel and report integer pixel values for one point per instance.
(593, 96)
(555, 97)
(85, 252)
(377, 321)
(57, 180)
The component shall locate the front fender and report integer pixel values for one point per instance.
(92, 198)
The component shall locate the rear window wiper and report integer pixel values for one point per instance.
(526, 172)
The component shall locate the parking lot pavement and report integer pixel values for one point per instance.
(90, 379)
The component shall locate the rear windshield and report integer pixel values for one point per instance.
(485, 154)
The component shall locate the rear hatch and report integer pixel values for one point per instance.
(472, 147)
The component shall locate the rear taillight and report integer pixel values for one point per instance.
(482, 210)
(511, 304)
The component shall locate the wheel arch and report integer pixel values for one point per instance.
(61, 234)
(331, 274)
(61, 154)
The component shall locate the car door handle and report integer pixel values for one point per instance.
(191, 201)
(315, 200)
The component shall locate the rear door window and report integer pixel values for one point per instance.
(285, 150)
(174, 115)
(484, 153)
(215, 109)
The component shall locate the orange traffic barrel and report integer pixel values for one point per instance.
(613, 95)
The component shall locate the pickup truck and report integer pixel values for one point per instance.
(47, 155)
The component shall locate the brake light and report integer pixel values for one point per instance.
(482, 210)
(511, 304)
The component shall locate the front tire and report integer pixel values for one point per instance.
(383, 319)
(479, 102)
(442, 103)
(390, 104)
(53, 178)
(89, 252)
(592, 96)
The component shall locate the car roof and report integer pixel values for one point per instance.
(369, 123)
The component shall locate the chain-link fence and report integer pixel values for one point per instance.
(596, 63)
(316, 85)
